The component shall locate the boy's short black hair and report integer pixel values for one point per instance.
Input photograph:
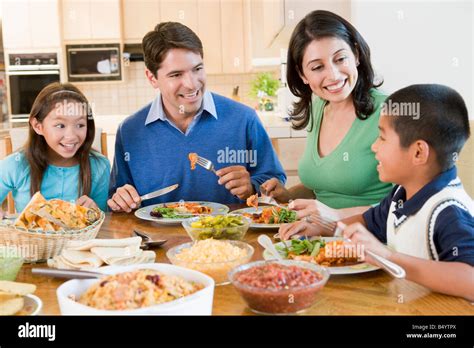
(437, 114)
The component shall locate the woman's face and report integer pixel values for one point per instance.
(330, 69)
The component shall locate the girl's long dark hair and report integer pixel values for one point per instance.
(36, 148)
(317, 25)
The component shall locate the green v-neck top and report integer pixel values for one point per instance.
(346, 177)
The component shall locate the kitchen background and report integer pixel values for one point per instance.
(411, 42)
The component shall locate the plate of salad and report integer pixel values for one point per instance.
(174, 213)
(338, 255)
(267, 216)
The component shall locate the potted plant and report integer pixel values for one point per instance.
(264, 88)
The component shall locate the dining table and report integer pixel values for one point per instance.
(369, 293)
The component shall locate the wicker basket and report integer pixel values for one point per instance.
(38, 246)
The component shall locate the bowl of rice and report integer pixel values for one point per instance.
(212, 257)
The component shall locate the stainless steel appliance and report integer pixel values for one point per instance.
(95, 62)
(27, 75)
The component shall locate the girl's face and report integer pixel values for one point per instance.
(330, 69)
(65, 130)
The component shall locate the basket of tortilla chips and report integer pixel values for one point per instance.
(44, 227)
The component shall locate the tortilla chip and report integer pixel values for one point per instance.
(26, 217)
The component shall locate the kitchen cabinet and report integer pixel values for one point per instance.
(30, 24)
(139, 17)
(91, 20)
(233, 36)
(183, 11)
(209, 31)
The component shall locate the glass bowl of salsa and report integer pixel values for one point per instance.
(279, 287)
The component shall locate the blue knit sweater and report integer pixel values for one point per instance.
(155, 155)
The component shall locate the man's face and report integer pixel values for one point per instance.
(181, 80)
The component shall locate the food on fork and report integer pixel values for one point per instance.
(252, 201)
(193, 158)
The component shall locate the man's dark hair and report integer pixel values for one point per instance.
(442, 120)
(166, 36)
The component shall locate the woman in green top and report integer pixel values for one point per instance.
(329, 69)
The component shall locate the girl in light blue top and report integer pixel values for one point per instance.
(57, 159)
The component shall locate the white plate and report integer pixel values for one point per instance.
(252, 210)
(144, 213)
(353, 269)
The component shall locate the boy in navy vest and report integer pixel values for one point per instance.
(427, 220)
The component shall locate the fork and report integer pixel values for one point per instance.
(206, 164)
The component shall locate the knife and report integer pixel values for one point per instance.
(159, 192)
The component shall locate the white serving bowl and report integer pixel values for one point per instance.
(199, 303)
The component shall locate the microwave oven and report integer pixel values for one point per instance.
(94, 62)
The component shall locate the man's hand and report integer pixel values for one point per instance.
(237, 180)
(125, 199)
(274, 188)
(87, 202)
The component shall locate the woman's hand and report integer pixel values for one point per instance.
(358, 234)
(87, 202)
(275, 189)
(302, 228)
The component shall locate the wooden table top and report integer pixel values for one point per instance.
(371, 293)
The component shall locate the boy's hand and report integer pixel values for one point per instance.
(302, 228)
(358, 234)
(274, 188)
(125, 199)
(237, 180)
(87, 202)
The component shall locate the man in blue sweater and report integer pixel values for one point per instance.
(152, 146)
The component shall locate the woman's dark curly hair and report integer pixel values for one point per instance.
(322, 24)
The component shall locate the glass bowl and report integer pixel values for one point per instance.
(227, 232)
(263, 298)
(217, 270)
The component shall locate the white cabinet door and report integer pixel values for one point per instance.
(16, 24)
(139, 17)
(76, 19)
(105, 19)
(44, 19)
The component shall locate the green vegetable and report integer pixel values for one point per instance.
(167, 213)
(219, 227)
(304, 246)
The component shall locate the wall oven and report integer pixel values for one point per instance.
(27, 75)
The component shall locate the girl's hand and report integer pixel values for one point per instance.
(87, 202)
(275, 189)
(358, 234)
(302, 228)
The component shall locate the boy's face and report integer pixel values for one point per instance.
(181, 80)
(394, 161)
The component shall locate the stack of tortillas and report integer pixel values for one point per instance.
(11, 296)
(94, 253)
